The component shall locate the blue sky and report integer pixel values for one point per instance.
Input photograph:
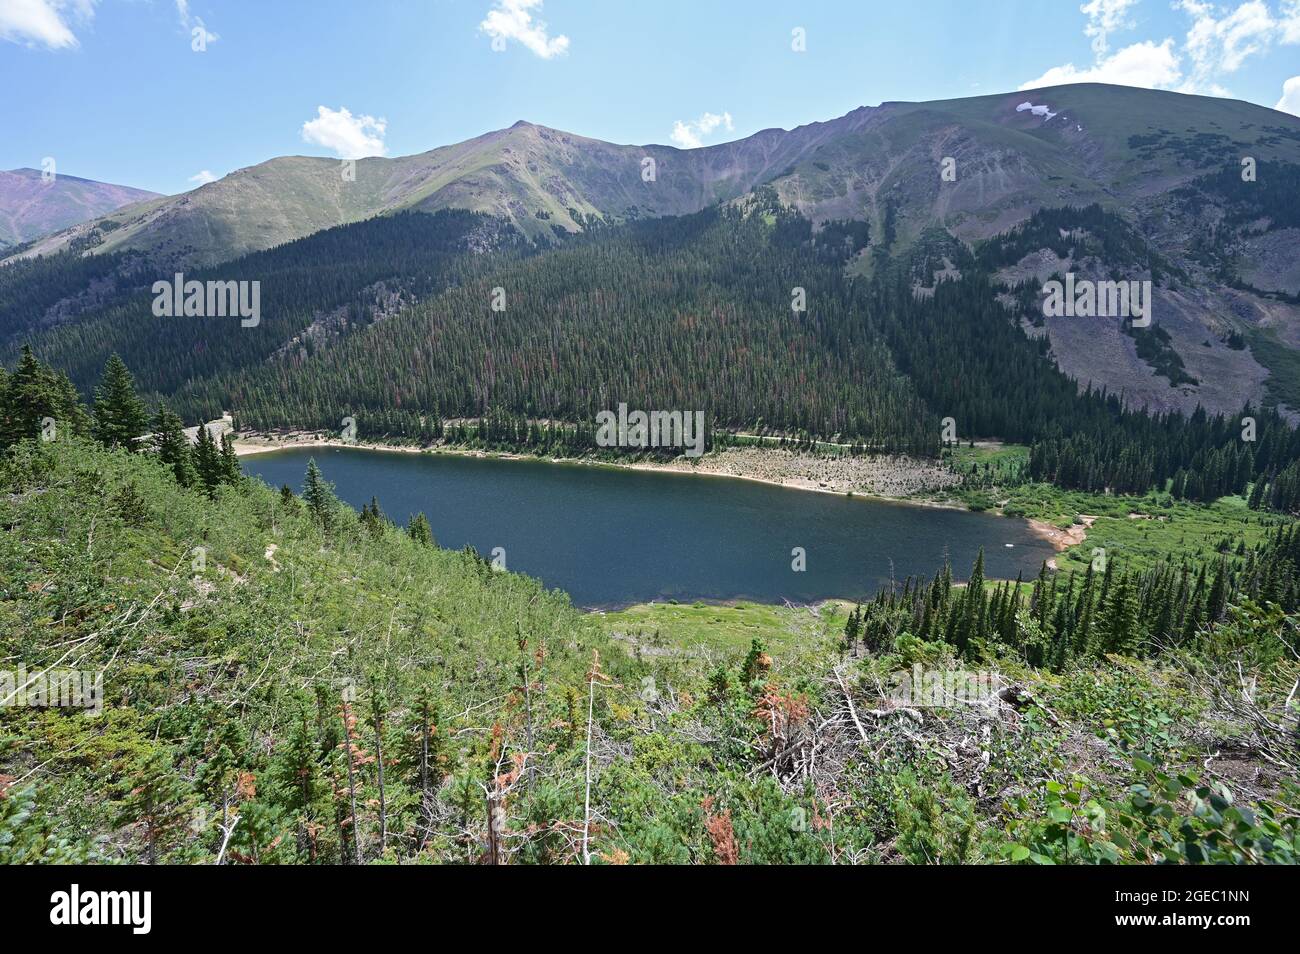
(113, 89)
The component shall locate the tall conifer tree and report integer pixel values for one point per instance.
(120, 416)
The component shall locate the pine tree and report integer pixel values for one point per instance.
(173, 446)
(120, 416)
(318, 496)
(419, 530)
(853, 630)
(300, 776)
(378, 714)
(971, 610)
(207, 462)
(1121, 625)
(33, 393)
(229, 460)
(154, 796)
(218, 777)
(425, 743)
(1256, 497)
(1217, 602)
(130, 505)
(757, 664)
(372, 518)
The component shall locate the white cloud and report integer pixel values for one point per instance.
(203, 177)
(1291, 21)
(1219, 40)
(1290, 101)
(1148, 64)
(511, 20)
(351, 137)
(192, 23)
(1218, 46)
(690, 135)
(43, 22)
(1104, 18)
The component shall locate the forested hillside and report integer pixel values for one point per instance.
(693, 313)
(405, 322)
(803, 478)
(311, 290)
(1108, 181)
(288, 681)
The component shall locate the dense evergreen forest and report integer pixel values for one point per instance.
(405, 322)
(1064, 619)
(310, 289)
(1273, 194)
(691, 314)
(1074, 233)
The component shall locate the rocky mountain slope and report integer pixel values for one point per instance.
(964, 170)
(31, 206)
(1013, 153)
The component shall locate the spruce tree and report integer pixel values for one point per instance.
(34, 392)
(1256, 494)
(372, 518)
(1122, 632)
(217, 778)
(1217, 602)
(971, 609)
(154, 797)
(229, 460)
(299, 774)
(207, 462)
(173, 446)
(419, 530)
(318, 496)
(120, 416)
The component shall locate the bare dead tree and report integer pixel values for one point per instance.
(348, 750)
(227, 831)
(593, 676)
(377, 710)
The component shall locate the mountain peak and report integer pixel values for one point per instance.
(31, 206)
(542, 178)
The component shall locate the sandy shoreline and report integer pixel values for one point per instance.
(736, 463)
(1062, 540)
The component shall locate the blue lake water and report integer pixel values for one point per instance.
(611, 536)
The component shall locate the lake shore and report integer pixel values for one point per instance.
(1062, 540)
(895, 480)
(887, 477)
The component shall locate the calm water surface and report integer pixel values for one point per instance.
(611, 537)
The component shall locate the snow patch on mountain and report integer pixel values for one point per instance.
(1044, 111)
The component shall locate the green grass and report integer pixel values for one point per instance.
(1175, 529)
(1000, 457)
(714, 628)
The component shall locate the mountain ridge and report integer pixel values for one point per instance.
(32, 206)
(1155, 160)
(541, 178)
